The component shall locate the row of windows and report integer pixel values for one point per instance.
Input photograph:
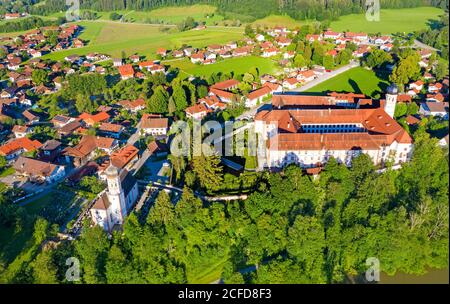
(333, 128)
(338, 127)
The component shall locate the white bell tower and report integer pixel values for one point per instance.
(391, 100)
(115, 195)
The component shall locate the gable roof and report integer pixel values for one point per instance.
(88, 144)
(34, 167)
(264, 91)
(225, 85)
(18, 144)
(150, 122)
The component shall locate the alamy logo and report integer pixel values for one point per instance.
(373, 10)
(73, 11)
(73, 272)
(373, 272)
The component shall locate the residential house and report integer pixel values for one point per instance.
(111, 130)
(21, 131)
(50, 151)
(256, 97)
(133, 106)
(86, 149)
(197, 111)
(94, 119)
(30, 117)
(438, 109)
(154, 125)
(12, 149)
(39, 171)
(290, 83)
(60, 121)
(306, 76)
(126, 71)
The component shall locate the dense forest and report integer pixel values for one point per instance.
(28, 23)
(299, 9)
(293, 228)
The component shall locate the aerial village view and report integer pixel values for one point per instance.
(224, 142)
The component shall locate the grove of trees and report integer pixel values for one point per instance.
(294, 229)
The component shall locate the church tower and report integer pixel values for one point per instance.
(391, 100)
(116, 195)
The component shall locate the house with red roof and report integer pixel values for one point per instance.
(418, 85)
(329, 34)
(88, 147)
(197, 111)
(93, 119)
(154, 125)
(198, 57)
(257, 96)
(12, 149)
(126, 71)
(290, 83)
(133, 106)
(306, 76)
(162, 52)
(124, 158)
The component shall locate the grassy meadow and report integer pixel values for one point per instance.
(356, 80)
(112, 38)
(391, 20)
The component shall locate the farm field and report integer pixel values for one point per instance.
(237, 65)
(391, 21)
(356, 80)
(112, 38)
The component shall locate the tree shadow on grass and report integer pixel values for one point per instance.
(355, 86)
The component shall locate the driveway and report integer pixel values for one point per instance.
(327, 76)
(155, 166)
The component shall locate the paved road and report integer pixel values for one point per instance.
(135, 137)
(421, 45)
(250, 113)
(327, 76)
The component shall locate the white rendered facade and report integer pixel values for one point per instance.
(309, 137)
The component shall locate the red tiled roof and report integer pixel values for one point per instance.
(19, 143)
(225, 85)
(197, 108)
(96, 118)
(126, 70)
(222, 94)
(264, 91)
(149, 122)
(88, 144)
(380, 127)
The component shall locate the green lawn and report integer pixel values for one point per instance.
(112, 38)
(208, 274)
(7, 171)
(391, 20)
(237, 65)
(357, 80)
